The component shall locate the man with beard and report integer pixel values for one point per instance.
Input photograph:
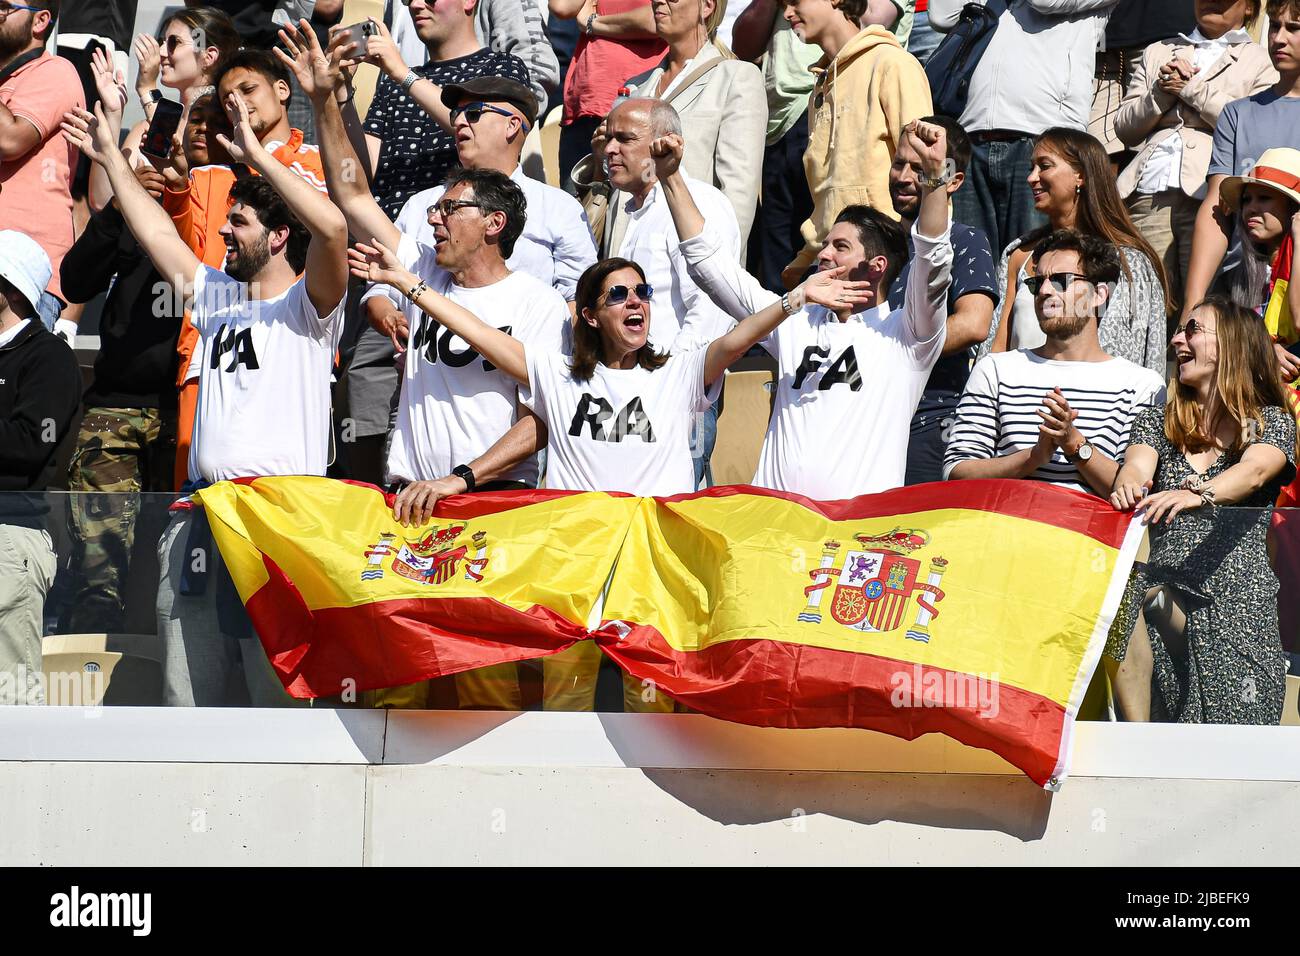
(36, 89)
(1061, 412)
(198, 206)
(268, 329)
(971, 300)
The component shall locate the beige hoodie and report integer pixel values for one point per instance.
(860, 103)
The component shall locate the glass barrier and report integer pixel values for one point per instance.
(105, 621)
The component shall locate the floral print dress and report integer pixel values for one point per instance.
(1233, 670)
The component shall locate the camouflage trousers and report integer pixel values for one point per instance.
(121, 452)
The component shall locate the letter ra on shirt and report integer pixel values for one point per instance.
(438, 348)
(632, 420)
(843, 371)
(239, 343)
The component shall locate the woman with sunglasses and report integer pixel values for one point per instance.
(1200, 616)
(618, 412)
(189, 53)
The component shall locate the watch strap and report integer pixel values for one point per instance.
(466, 474)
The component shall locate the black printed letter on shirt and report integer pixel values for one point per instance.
(812, 357)
(633, 420)
(843, 370)
(592, 410)
(239, 343)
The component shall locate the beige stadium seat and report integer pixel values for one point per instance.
(548, 143)
(131, 663)
(747, 405)
(1291, 709)
(77, 678)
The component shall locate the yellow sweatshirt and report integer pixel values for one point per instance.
(860, 103)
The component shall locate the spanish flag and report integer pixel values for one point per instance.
(977, 609)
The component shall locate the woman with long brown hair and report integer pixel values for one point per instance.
(1196, 637)
(1072, 184)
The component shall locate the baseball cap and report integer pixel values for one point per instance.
(494, 89)
(24, 265)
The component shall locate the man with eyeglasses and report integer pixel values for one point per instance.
(491, 116)
(1059, 413)
(36, 165)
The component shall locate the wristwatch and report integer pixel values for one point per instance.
(465, 473)
(1084, 451)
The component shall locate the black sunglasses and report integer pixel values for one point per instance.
(617, 294)
(1192, 328)
(1060, 281)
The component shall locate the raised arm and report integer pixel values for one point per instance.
(378, 263)
(327, 271)
(753, 29)
(381, 50)
(110, 84)
(321, 77)
(147, 220)
(926, 304)
(713, 269)
(824, 288)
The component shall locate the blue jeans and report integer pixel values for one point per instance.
(704, 434)
(924, 39)
(996, 196)
(49, 308)
(786, 204)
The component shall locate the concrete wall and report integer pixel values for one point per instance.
(216, 787)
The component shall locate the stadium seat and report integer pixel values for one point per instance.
(548, 142)
(746, 407)
(131, 664)
(1291, 708)
(78, 678)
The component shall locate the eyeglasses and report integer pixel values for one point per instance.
(7, 8)
(446, 207)
(1060, 281)
(474, 112)
(617, 294)
(1192, 327)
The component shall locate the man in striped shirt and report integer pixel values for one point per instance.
(1061, 412)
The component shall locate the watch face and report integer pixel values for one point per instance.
(1085, 452)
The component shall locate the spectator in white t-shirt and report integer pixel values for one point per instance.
(848, 380)
(619, 411)
(268, 328)
(1059, 413)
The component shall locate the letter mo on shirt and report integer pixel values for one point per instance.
(454, 403)
(264, 380)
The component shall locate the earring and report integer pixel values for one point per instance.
(1078, 190)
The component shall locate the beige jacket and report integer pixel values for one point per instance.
(1148, 115)
(724, 122)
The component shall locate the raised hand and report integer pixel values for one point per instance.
(316, 71)
(349, 52)
(666, 151)
(110, 84)
(930, 142)
(377, 263)
(243, 146)
(91, 133)
(151, 180)
(381, 50)
(829, 289)
(147, 52)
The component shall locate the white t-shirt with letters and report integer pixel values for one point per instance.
(264, 380)
(621, 430)
(454, 403)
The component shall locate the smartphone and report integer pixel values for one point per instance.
(358, 34)
(162, 129)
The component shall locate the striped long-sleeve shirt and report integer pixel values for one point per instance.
(997, 415)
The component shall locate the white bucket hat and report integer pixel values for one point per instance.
(24, 265)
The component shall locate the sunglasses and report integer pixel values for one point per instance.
(617, 294)
(448, 206)
(473, 112)
(1192, 327)
(1060, 281)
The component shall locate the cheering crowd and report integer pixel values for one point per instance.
(826, 182)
